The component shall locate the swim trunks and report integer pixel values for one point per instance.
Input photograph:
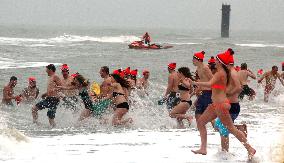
(100, 107)
(203, 101)
(51, 103)
(246, 91)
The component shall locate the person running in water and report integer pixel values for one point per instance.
(105, 89)
(102, 102)
(50, 98)
(244, 73)
(204, 75)
(69, 96)
(133, 79)
(146, 38)
(8, 92)
(270, 78)
(179, 111)
(81, 84)
(120, 97)
(171, 92)
(232, 91)
(31, 92)
(220, 106)
(143, 82)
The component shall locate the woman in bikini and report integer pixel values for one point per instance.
(81, 84)
(185, 90)
(120, 97)
(220, 106)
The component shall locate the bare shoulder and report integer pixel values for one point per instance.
(206, 69)
(108, 80)
(114, 85)
(234, 73)
(278, 74)
(55, 77)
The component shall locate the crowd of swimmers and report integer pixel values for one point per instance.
(218, 86)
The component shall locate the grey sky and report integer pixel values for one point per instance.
(190, 14)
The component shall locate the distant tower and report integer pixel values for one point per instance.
(225, 20)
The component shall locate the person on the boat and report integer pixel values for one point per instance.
(146, 38)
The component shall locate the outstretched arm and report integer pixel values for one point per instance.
(251, 74)
(261, 78)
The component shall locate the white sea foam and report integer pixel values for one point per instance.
(184, 43)
(7, 63)
(66, 39)
(258, 45)
(40, 45)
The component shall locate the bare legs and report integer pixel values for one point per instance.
(35, 114)
(35, 117)
(117, 117)
(206, 117)
(85, 114)
(221, 111)
(179, 112)
(225, 140)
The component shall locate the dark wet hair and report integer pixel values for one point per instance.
(134, 77)
(121, 81)
(227, 72)
(186, 72)
(13, 78)
(51, 67)
(105, 69)
(212, 66)
(244, 66)
(274, 67)
(83, 81)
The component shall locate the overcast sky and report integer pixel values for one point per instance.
(190, 14)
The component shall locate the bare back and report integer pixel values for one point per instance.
(234, 86)
(174, 77)
(243, 76)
